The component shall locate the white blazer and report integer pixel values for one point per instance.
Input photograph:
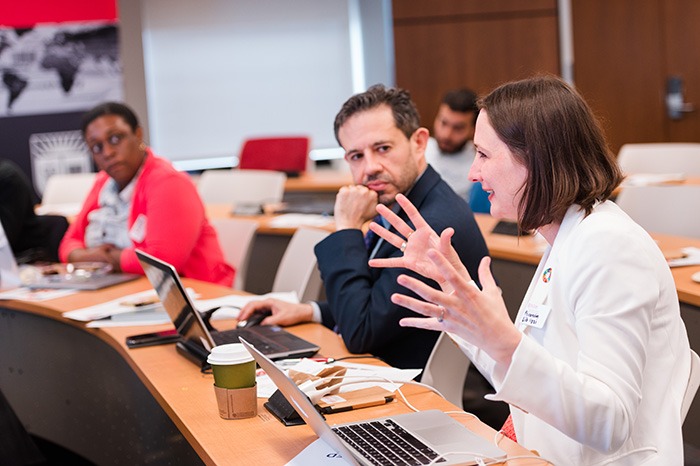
(601, 371)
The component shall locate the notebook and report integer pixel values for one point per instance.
(415, 438)
(196, 339)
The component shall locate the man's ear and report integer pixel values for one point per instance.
(420, 138)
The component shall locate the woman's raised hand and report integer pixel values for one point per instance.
(414, 243)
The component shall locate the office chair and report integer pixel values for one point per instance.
(660, 158)
(286, 154)
(446, 369)
(663, 209)
(297, 270)
(67, 188)
(241, 187)
(479, 199)
(693, 384)
(236, 237)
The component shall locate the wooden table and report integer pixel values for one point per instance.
(82, 388)
(319, 181)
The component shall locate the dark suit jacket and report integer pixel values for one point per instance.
(359, 303)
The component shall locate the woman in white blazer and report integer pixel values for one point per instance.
(597, 361)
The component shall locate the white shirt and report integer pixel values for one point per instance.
(453, 168)
(108, 224)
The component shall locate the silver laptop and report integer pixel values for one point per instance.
(415, 438)
(59, 282)
(9, 272)
(196, 338)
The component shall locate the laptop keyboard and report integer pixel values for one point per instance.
(264, 345)
(386, 443)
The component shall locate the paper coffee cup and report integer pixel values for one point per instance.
(233, 366)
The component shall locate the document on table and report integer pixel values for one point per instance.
(143, 308)
(296, 220)
(649, 179)
(318, 453)
(691, 256)
(33, 295)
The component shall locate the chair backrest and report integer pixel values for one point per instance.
(669, 209)
(479, 199)
(67, 188)
(286, 154)
(297, 270)
(660, 158)
(244, 187)
(693, 384)
(236, 239)
(446, 369)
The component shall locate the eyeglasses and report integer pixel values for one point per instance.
(113, 140)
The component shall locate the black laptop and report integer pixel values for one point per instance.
(196, 338)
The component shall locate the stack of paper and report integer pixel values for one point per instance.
(691, 256)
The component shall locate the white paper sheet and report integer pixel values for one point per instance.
(318, 453)
(691, 257)
(121, 305)
(26, 294)
(296, 220)
(231, 305)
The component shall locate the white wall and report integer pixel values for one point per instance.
(218, 71)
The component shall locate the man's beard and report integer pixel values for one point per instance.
(453, 151)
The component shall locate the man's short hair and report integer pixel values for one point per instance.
(462, 100)
(399, 100)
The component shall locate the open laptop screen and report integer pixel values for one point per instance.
(172, 294)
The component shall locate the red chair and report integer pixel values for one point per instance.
(286, 154)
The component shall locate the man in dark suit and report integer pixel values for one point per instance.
(384, 147)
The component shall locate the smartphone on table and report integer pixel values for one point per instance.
(151, 339)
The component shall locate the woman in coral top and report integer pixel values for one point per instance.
(140, 201)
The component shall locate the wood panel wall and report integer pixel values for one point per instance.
(471, 43)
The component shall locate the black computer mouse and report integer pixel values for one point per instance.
(254, 319)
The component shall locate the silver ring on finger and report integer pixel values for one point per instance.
(441, 317)
(403, 246)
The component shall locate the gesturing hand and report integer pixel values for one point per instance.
(415, 243)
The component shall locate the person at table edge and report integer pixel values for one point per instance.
(140, 201)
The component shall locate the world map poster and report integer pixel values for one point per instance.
(58, 67)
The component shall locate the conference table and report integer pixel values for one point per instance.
(82, 388)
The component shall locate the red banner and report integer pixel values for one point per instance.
(27, 13)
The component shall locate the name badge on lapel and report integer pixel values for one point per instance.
(535, 315)
(137, 233)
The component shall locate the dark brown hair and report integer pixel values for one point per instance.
(552, 131)
(399, 100)
(461, 100)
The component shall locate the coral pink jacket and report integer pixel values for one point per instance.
(172, 226)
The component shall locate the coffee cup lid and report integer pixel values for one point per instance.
(233, 353)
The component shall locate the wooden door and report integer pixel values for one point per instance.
(624, 52)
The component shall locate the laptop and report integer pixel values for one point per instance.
(9, 272)
(60, 282)
(414, 438)
(196, 338)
